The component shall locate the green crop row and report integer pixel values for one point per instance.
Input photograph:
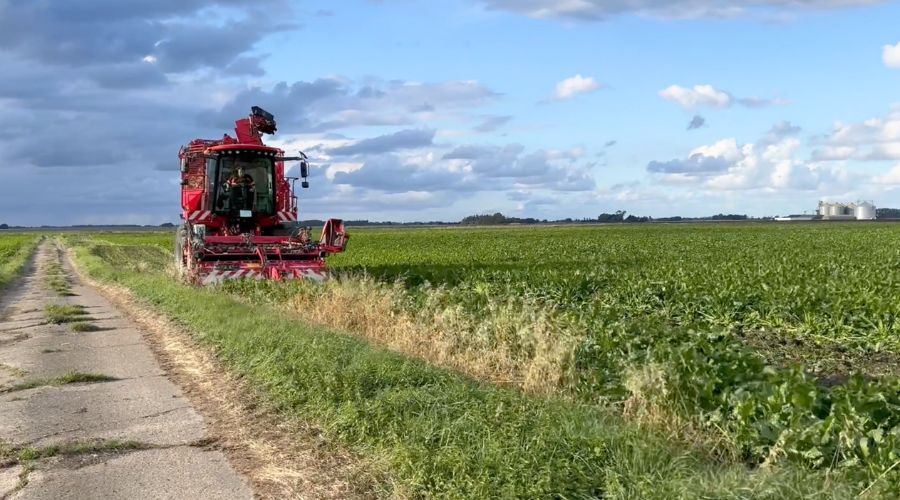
(834, 281)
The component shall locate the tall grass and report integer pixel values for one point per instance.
(522, 344)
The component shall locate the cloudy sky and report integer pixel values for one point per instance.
(440, 109)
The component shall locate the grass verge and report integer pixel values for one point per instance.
(57, 282)
(56, 275)
(69, 378)
(84, 326)
(442, 434)
(59, 314)
(10, 455)
(18, 372)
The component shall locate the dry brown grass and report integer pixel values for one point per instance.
(9, 375)
(528, 348)
(511, 345)
(281, 457)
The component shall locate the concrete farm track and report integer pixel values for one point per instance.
(162, 418)
(134, 435)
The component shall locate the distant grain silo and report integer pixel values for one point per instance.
(829, 209)
(865, 211)
(846, 211)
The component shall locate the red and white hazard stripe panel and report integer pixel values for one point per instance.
(287, 216)
(215, 277)
(311, 274)
(199, 215)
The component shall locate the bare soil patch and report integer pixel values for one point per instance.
(830, 362)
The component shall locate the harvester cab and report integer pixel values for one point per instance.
(240, 211)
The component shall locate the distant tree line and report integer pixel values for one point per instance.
(619, 216)
(711, 217)
(497, 218)
(365, 222)
(887, 213)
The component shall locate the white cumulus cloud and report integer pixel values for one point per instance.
(875, 139)
(726, 148)
(891, 177)
(709, 96)
(891, 55)
(700, 95)
(769, 165)
(571, 87)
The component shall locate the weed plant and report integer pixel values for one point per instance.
(69, 313)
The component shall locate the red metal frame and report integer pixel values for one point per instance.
(220, 251)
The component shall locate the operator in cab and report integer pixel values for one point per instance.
(241, 188)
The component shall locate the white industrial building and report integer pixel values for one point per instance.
(862, 210)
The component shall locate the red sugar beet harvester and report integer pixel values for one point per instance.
(240, 211)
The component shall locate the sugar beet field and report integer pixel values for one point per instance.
(663, 361)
